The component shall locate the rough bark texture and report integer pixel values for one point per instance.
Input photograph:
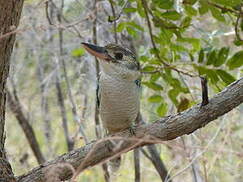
(9, 20)
(163, 129)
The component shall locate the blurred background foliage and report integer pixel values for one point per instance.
(176, 41)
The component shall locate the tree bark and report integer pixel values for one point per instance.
(166, 128)
(9, 20)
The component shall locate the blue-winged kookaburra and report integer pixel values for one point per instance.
(118, 87)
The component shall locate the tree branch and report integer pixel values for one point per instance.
(158, 164)
(166, 128)
(114, 21)
(16, 108)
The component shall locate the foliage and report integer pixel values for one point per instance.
(175, 45)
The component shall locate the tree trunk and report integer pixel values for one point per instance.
(9, 20)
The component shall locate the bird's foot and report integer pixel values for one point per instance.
(110, 146)
(132, 130)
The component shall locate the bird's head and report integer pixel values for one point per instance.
(116, 60)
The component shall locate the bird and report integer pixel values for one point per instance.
(119, 85)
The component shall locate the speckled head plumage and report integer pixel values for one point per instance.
(123, 56)
(116, 60)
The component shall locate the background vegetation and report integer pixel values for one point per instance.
(53, 81)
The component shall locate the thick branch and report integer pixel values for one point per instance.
(163, 129)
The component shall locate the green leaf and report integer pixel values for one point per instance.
(226, 77)
(148, 68)
(211, 57)
(191, 57)
(129, 10)
(135, 25)
(217, 14)
(201, 56)
(201, 70)
(235, 61)
(178, 48)
(222, 56)
(203, 7)
(121, 26)
(143, 58)
(153, 86)
(154, 51)
(154, 77)
(77, 52)
(189, 2)
(165, 36)
(238, 42)
(164, 4)
(174, 82)
(162, 109)
(155, 98)
(193, 41)
(212, 75)
(231, 3)
(173, 93)
(172, 15)
(164, 23)
(140, 9)
(190, 10)
(131, 31)
(186, 22)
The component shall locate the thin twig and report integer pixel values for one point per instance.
(114, 22)
(63, 111)
(70, 95)
(223, 8)
(202, 152)
(116, 17)
(47, 13)
(44, 101)
(61, 15)
(237, 25)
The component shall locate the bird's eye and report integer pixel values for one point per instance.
(118, 56)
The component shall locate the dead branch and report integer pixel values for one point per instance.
(16, 108)
(158, 163)
(166, 128)
(155, 158)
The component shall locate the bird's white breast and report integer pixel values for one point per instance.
(119, 102)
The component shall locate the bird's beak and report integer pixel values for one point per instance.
(96, 51)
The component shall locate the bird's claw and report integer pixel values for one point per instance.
(132, 130)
